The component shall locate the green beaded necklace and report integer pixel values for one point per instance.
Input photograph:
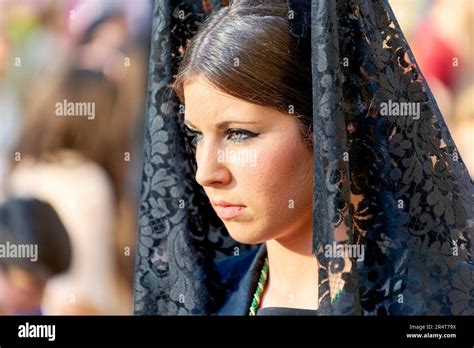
(260, 288)
(262, 281)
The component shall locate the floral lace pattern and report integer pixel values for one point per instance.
(392, 183)
(179, 233)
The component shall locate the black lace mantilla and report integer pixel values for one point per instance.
(388, 182)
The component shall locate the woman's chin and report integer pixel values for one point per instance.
(246, 237)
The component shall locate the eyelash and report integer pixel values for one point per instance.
(244, 135)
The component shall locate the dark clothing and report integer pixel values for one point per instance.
(286, 311)
(240, 275)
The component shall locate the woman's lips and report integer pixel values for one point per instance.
(229, 211)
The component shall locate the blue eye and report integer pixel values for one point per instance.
(234, 135)
(240, 135)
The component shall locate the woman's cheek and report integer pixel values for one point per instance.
(272, 177)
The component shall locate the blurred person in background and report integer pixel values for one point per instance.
(89, 170)
(36, 228)
(105, 45)
(76, 163)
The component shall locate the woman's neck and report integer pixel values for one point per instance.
(293, 272)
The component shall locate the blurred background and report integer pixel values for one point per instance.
(86, 168)
(441, 36)
(70, 184)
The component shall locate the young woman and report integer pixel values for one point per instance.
(301, 147)
(247, 92)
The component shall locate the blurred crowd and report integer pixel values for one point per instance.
(70, 179)
(73, 79)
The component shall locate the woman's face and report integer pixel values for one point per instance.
(252, 163)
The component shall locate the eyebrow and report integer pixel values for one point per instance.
(222, 124)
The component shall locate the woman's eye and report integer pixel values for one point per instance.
(234, 135)
(239, 135)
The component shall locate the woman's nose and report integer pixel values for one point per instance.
(211, 171)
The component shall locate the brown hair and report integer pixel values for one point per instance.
(248, 52)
